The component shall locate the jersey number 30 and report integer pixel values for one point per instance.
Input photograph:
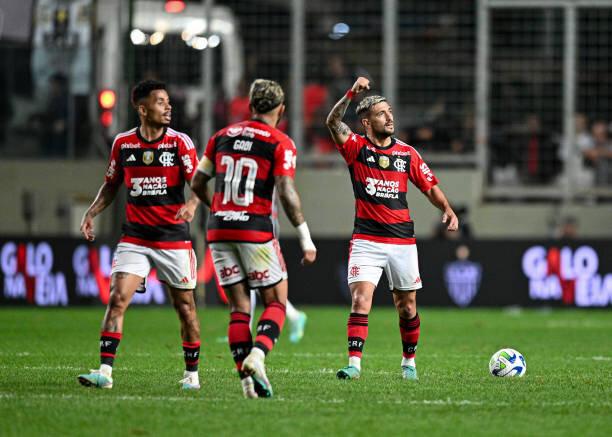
(233, 179)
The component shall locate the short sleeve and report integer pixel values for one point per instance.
(420, 173)
(188, 157)
(285, 158)
(350, 149)
(114, 170)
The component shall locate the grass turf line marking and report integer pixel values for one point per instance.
(424, 402)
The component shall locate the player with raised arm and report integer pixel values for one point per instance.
(383, 237)
(249, 160)
(154, 162)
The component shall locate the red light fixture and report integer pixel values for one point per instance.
(107, 99)
(174, 6)
(106, 118)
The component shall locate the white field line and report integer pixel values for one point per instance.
(232, 399)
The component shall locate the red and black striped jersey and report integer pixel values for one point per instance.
(380, 178)
(154, 173)
(244, 158)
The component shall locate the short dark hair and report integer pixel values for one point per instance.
(144, 88)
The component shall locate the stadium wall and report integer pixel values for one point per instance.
(70, 271)
(61, 190)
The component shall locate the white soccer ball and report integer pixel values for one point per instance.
(507, 362)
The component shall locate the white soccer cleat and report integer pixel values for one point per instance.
(254, 366)
(96, 379)
(190, 381)
(248, 388)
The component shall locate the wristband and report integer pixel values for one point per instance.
(304, 235)
(350, 94)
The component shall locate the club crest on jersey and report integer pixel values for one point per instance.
(400, 165)
(166, 159)
(383, 161)
(147, 157)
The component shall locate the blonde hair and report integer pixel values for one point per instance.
(368, 102)
(265, 95)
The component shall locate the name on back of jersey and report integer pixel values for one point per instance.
(149, 186)
(243, 145)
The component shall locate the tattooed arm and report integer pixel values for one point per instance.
(293, 208)
(338, 129)
(106, 195)
(290, 199)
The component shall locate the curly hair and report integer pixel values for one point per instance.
(265, 95)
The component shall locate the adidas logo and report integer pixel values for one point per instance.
(370, 159)
(131, 158)
(185, 280)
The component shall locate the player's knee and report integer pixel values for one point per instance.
(118, 301)
(361, 303)
(406, 308)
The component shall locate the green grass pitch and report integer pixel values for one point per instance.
(567, 389)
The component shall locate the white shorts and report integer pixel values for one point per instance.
(175, 267)
(367, 259)
(260, 264)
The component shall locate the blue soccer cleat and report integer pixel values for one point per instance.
(296, 328)
(190, 381)
(254, 366)
(409, 372)
(96, 379)
(348, 372)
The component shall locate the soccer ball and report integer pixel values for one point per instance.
(507, 362)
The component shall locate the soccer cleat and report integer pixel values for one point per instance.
(348, 372)
(296, 328)
(409, 372)
(253, 366)
(191, 381)
(96, 379)
(248, 388)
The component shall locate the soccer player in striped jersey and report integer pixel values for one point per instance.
(249, 160)
(383, 237)
(153, 162)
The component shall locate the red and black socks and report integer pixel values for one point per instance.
(409, 330)
(270, 326)
(109, 342)
(357, 332)
(239, 337)
(191, 353)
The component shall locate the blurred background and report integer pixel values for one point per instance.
(509, 101)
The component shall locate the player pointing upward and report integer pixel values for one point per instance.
(383, 237)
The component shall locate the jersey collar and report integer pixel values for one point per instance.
(379, 147)
(156, 140)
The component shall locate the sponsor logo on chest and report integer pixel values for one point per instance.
(382, 188)
(149, 186)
